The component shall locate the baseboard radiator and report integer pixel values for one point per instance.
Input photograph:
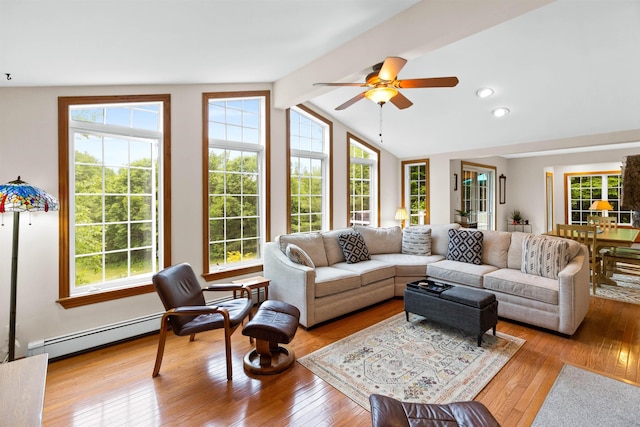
(78, 342)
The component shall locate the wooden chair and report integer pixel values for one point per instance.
(587, 235)
(604, 222)
(187, 312)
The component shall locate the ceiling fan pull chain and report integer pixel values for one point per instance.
(381, 123)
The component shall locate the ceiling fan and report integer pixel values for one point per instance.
(383, 84)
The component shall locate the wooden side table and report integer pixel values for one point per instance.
(252, 283)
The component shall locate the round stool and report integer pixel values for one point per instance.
(274, 325)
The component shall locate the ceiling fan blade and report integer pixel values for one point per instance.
(427, 82)
(351, 101)
(391, 67)
(339, 84)
(401, 101)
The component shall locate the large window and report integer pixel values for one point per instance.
(364, 191)
(415, 190)
(114, 195)
(309, 171)
(235, 185)
(585, 188)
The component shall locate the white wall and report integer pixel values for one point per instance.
(28, 147)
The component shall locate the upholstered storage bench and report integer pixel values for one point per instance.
(471, 310)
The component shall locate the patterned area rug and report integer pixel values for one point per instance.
(628, 289)
(416, 361)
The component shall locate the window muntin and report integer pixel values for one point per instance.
(416, 191)
(236, 207)
(585, 188)
(112, 157)
(363, 183)
(309, 149)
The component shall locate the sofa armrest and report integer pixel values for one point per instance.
(574, 292)
(290, 282)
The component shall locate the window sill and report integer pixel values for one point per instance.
(108, 295)
(231, 272)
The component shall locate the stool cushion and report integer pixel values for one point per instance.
(470, 297)
(275, 321)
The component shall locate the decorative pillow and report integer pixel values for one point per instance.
(353, 247)
(381, 240)
(416, 241)
(299, 256)
(544, 256)
(465, 246)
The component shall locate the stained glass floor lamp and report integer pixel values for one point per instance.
(18, 196)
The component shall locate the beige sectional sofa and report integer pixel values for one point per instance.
(329, 286)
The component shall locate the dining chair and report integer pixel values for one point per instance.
(187, 312)
(587, 235)
(604, 222)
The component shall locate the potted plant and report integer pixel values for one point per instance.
(516, 216)
(464, 215)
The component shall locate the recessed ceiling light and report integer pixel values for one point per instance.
(500, 112)
(484, 92)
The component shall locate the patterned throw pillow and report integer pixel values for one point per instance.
(299, 256)
(544, 256)
(465, 246)
(416, 241)
(353, 247)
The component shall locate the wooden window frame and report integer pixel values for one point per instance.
(406, 192)
(350, 137)
(230, 271)
(329, 170)
(65, 299)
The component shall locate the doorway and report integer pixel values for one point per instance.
(479, 194)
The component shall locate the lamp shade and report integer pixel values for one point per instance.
(18, 196)
(381, 95)
(601, 205)
(401, 214)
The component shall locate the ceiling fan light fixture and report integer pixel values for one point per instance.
(381, 95)
(484, 92)
(500, 112)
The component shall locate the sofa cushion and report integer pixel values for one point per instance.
(416, 240)
(495, 247)
(408, 265)
(370, 271)
(330, 280)
(514, 256)
(353, 247)
(544, 256)
(514, 282)
(311, 243)
(459, 272)
(331, 245)
(299, 256)
(381, 240)
(440, 237)
(465, 246)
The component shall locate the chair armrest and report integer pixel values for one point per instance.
(195, 310)
(220, 287)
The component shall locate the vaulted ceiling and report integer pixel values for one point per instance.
(567, 69)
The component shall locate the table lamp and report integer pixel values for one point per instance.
(401, 215)
(601, 205)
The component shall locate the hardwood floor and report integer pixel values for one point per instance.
(113, 386)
